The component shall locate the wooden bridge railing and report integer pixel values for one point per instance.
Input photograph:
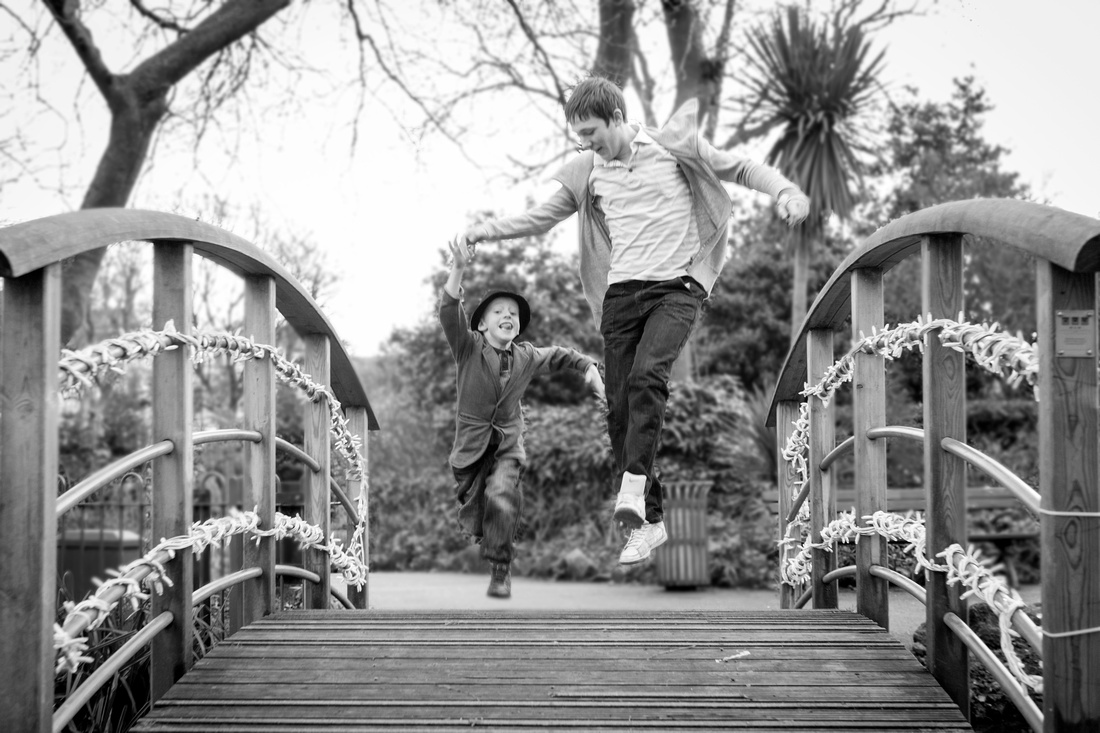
(31, 254)
(1066, 248)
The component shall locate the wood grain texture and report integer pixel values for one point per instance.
(258, 401)
(616, 670)
(173, 474)
(358, 424)
(869, 411)
(1069, 481)
(317, 441)
(822, 496)
(944, 387)
(30, 333)
(788, 415)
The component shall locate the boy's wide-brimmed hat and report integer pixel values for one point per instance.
(524, 308)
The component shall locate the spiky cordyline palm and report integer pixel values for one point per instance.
(813, 80)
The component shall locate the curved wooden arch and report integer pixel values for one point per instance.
(31, 245)
(1069, 240)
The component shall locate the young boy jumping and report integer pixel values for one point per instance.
(493, 373)
(653, 221)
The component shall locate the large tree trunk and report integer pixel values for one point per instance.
(138, 102)
(613, 55)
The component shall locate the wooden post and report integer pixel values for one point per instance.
(173, 474)
(944, 474)
(30, 332)
(869, 411)
(786, 414)
(819, 357)
(316, 425)
(1069, 405)
(357, 424)
(259, 458)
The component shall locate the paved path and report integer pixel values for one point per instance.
(466, 591)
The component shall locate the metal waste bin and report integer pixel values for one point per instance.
(682, 560)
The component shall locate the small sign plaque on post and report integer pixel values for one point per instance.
(1075, 333)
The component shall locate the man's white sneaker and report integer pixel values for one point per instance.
(629, 510)
(642, 542)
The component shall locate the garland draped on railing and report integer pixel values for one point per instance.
(80, 369)
(999, 353)
(961, 566)
(217, 531)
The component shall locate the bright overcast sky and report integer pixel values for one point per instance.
(383, 215)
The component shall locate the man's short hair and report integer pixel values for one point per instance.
(596, 96)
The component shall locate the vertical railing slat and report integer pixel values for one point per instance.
(358, 424)
(1069, 482)
(259, 458)
(944, 385)
(819, 357)
(869, 411)
(29, 336)
(786, 413)
(173, 474)
(316, 424)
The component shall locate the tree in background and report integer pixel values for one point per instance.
(194, 67)
(814, 81)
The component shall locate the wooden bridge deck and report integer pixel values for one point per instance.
(381, 671)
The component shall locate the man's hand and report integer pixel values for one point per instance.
(594, 381)
(792, 206)
(470, 238)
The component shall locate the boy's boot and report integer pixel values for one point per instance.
(630, 503)
(500, 580)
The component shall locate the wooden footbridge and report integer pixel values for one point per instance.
(353, 669)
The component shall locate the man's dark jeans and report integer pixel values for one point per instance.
(645, 326)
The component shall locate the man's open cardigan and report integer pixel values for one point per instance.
(704, 167)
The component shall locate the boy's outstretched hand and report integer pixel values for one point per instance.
(594, 381)
(461, 252)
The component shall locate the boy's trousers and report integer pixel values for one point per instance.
(644, 326)
(490, 500)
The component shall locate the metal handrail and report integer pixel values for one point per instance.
(995, 470)
(96, 680)
(100, 478)
(1009, 685)
(223, 583)
(298, 453)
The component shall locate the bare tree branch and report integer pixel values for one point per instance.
(67, 15)
(527, 31)
(161, 22)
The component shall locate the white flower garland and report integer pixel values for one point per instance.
(960, 566)
(996, 352)
(999, 353)
(217, 531)
(80, 369)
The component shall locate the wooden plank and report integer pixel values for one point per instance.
(944, 385)
(1069, 481)
(869, 411)
(30, 331)
(258, 401)
(316, 427)
(173, 474)
(537, 672)
(822, 440)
